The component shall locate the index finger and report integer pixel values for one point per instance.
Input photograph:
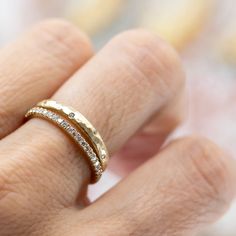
(36, 65)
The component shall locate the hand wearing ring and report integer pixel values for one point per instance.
(125, 101)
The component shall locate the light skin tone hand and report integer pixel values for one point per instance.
(131, 91)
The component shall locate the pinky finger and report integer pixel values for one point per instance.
(187, 186)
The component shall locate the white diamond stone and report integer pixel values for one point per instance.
(72, 131)
(97, 164)
(83, 143)
(55, 117)
(59, 120)
(71, 115)
(97, 168)
(64, 124)
(93, 157)
(78, 138)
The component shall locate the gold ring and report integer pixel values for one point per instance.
(82, 124)
(60, 116)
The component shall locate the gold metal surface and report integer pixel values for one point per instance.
(81, 122)
(76, 136)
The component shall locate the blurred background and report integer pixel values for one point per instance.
(204, 33)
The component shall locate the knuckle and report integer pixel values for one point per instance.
(154, 59)
(63, 37)
(208, 167)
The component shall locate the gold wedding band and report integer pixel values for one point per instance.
(81, 123)
(79, 129)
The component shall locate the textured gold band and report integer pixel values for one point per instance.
(82, 123)
(64, 124)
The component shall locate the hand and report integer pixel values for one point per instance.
(133, 86)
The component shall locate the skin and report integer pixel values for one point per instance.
(132, 91)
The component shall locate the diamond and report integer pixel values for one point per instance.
(71, 115)
(93, 156)
(49, 114)
(86, 147)
(72, 131)
(94, 159)
(83, 144)
(59, 120)
(97, 164)
(64, 124)
(68, 128)
(98, 168)
(78, 137)
(55, 117)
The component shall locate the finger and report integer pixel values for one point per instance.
(33, 67)
(117, 96)
(144, 75)
(148, 140)
(187, 186)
